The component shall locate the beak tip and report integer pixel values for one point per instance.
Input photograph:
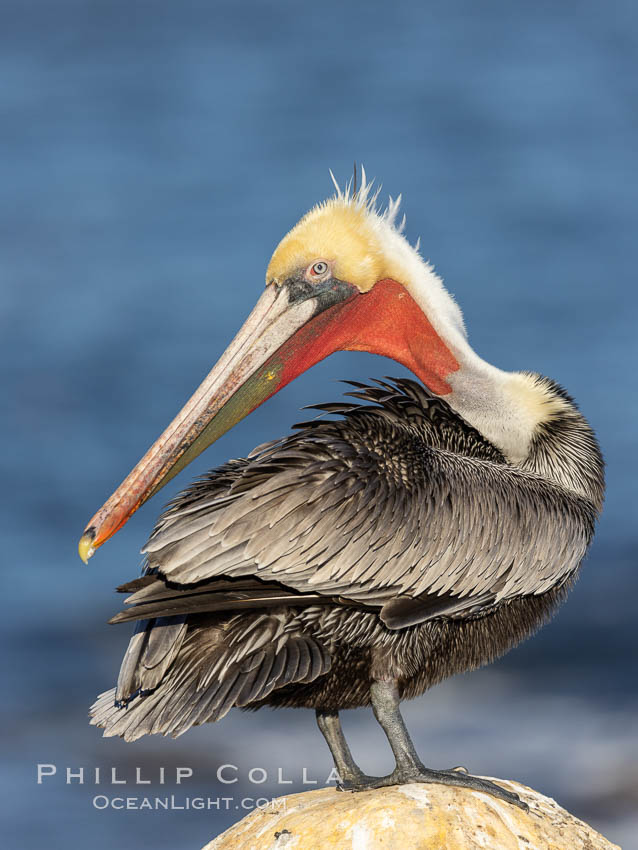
(85, 546)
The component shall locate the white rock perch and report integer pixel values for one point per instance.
(411, 817)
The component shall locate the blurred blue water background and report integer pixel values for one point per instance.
(153, 154)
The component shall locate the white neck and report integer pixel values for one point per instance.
(505, 407)
(500, 405)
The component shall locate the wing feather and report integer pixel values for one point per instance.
(370, 509)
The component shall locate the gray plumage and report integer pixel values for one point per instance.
(392, 542)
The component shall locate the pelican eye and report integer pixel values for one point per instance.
(318, 269)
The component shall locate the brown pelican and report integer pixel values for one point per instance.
(423, 532)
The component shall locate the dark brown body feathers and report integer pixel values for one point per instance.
(394, 542)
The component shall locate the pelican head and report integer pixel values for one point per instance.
(343, 279)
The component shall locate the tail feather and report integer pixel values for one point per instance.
(177, 674)
(151, 651)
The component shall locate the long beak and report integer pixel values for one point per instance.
(280, 339)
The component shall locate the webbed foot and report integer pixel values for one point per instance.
(456, 776)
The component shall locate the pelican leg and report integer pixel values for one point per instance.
(409, 768)
(330, 726)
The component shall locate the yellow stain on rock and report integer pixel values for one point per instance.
(410, 817)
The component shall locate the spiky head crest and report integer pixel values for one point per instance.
(349, 231)
(365, 245)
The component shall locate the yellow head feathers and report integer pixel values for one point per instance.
(338, 231)
(345, 230)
